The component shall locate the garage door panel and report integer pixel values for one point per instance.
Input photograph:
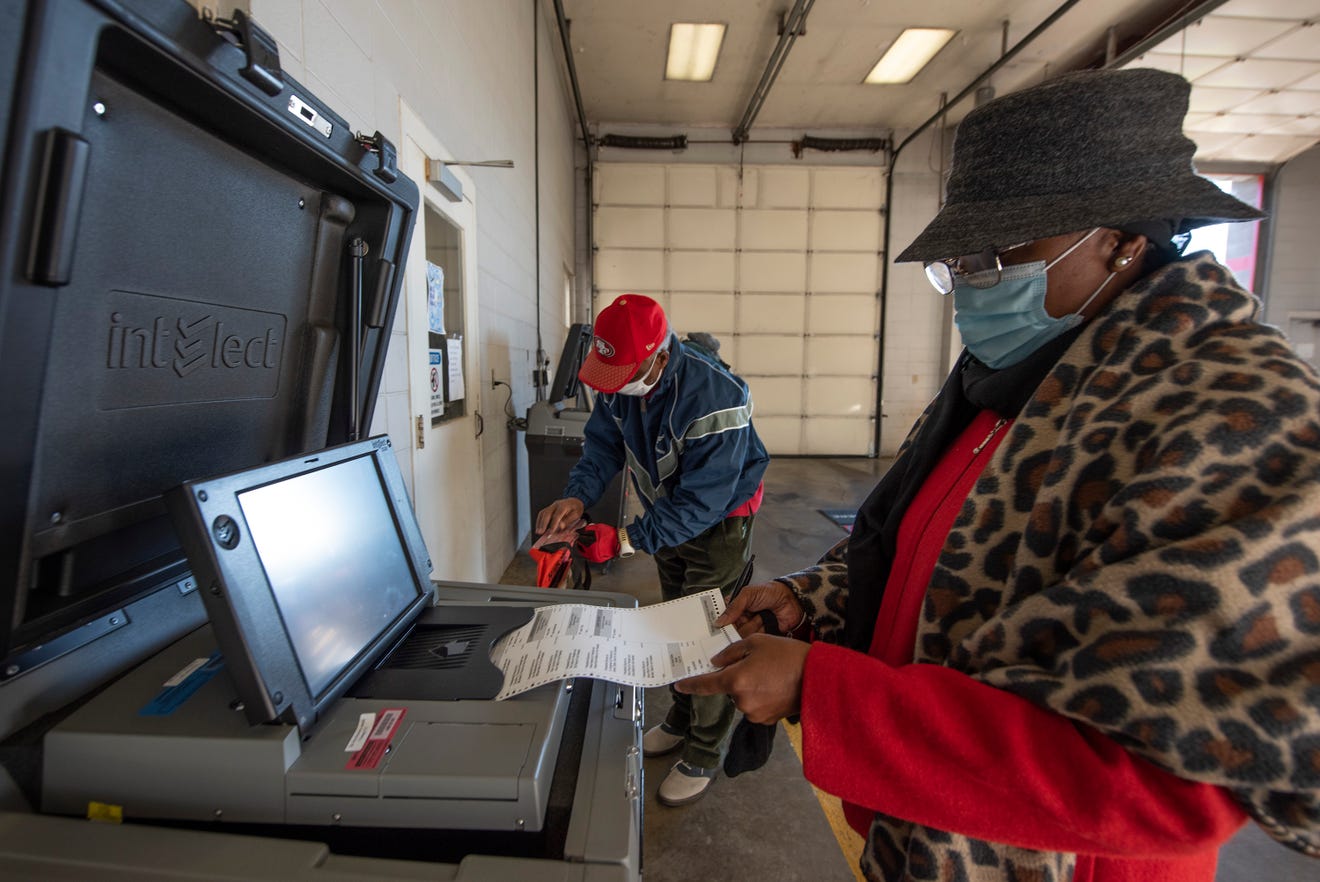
(839, 396)
(728, 349)
(781, 188)
(702, 228)
(840, 355)
(700, 270)
(761, 313)
(706, 311)
(843, 314)
(847, 188)
(618, 227)
(780, 435)
(630, 270)
(770, 355)
(772, 271)
(693, 185)
(846, 231)
(782, 229)
(628, 184)
(775, 396)
(838, 273)
(837, 436)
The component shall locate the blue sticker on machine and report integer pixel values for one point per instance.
(181, 686)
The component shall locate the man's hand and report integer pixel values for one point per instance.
(566, 536)
(742, 610)
(559, 515)
(762, 674)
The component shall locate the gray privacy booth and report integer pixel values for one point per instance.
(200, 263)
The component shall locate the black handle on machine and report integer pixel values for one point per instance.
(63, 178)
(357, 250)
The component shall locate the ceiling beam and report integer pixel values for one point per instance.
(793, 25)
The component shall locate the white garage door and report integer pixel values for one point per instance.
(781, 265)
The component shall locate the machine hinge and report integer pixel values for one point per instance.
(421, 432)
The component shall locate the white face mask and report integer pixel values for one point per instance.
(639, 386)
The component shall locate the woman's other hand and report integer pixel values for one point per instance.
(762, 674)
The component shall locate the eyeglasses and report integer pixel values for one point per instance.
(981, 270)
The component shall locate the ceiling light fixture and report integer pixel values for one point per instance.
(913, 49)
(693, 50)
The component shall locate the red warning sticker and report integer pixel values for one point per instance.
(378, 742)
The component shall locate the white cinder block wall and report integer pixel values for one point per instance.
(1294, 259)
(466, 69)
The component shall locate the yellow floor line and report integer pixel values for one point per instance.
(849, 842)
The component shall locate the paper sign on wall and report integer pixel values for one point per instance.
(454, 356)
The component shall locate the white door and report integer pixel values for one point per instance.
(781, 263)
(448, 491)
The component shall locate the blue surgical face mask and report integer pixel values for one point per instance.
(1004, 323)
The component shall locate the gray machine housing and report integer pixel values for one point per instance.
(454, 765)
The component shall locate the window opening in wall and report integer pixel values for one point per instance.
(1234, 245)
(446, 335)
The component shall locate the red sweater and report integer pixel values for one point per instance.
(933, 746)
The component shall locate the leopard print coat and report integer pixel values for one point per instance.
(1142, 555)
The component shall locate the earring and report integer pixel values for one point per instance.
(1121, 261)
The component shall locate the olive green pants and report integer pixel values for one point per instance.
(715, 559)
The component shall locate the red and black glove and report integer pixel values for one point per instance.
(597, 543)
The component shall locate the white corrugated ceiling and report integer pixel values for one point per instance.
(1255, 72)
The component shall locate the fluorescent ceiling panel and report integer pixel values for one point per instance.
(908, 55)
(693, 50)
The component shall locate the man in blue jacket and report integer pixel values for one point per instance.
(682, 422)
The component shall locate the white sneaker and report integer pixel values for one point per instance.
(660, 740)
(685, 783)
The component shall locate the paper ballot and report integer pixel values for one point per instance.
(650, 646)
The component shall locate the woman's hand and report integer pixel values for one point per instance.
(762, 674)
(774, 596)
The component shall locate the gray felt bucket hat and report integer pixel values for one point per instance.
(1087, 149)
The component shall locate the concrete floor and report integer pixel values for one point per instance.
(770, 824)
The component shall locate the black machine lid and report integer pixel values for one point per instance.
(199, 270)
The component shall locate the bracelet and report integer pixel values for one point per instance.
(798, 627)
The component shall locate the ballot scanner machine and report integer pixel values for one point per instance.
(200, 263)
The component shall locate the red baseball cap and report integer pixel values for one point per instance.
(626, 333)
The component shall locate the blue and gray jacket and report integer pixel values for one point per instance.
(694, 454)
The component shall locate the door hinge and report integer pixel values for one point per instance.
(421, 432)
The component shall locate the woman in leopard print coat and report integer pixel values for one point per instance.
(1075, 634)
